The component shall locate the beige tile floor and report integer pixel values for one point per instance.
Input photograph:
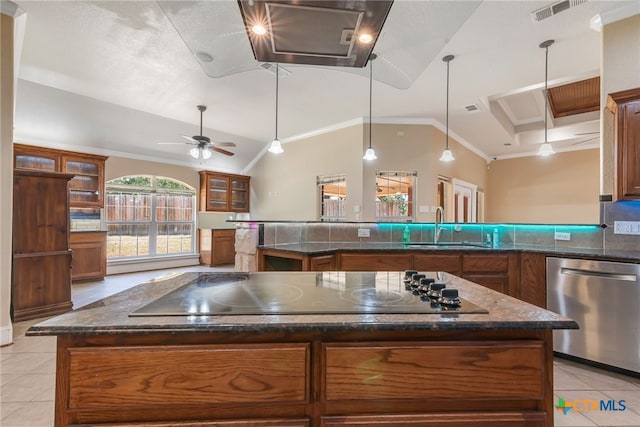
(27, 372)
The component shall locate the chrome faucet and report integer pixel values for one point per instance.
(438, 230)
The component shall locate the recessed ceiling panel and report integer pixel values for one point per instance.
(314, 32)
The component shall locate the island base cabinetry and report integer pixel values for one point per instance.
(355, 378)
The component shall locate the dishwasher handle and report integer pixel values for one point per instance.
(599, 274)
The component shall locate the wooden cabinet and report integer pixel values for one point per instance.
(497, 271)
(217, 246)
(328, 377)
(626, 108)
(89, 255)
(224, 192)
(322, 263)
(375, 261)
(450, 263)
(86, 189)
(41, 263)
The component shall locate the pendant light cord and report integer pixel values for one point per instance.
(446, 121)
(370, 91)
(277, 78)
(546, 95)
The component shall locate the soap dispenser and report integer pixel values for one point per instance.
(495, 241)
(406, 235)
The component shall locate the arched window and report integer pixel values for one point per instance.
(149, 216)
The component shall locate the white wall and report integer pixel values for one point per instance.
(6, 172)
(284, 186)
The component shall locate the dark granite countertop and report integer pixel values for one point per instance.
(111, 315)
(322, 248)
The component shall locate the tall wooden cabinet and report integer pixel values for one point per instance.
(224, 192)
(41, 262)
(626, 108)
(86, 194)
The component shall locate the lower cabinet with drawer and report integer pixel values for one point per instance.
(362, 378)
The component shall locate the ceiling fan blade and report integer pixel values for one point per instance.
(221, 151)
(225, 144)
(173, 143)
(189, 138)
(587, 133)
(586, 140)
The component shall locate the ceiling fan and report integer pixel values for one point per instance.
(588, 139)
(203, 145)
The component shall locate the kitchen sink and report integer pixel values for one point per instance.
(449, 245)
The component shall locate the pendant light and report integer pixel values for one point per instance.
(447, 155)
(545, 148)
(276, 147)
(370, 154)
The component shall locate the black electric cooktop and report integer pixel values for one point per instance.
(298, 293)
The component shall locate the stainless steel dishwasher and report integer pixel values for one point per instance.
(604, 298)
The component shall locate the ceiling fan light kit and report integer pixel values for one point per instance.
(546, 149)
(447, 155)
(204, 148)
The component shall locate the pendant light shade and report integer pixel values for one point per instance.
(447, 155)
(276, 147)
(370, 154)
(546, 149)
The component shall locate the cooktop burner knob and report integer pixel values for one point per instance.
(449, 298)
(408, 275)
(424, 284)
(415, 281)
(435, 289)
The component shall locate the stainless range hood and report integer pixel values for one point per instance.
(314, 32)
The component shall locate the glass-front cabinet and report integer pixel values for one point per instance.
(222, 192)
(87, 186)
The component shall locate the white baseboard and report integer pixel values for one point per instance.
(6, 335)
(131, 266)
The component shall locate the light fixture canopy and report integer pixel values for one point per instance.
(546, 149)
(370, 154)
(447, 154)
(276, 147)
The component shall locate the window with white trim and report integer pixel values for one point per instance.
(149, 216)
(395, 198)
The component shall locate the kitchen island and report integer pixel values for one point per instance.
(161, 353)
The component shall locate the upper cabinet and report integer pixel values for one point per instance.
(86, 189)
(626, 108)
(224, 192)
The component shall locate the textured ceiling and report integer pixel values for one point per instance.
(121, 76)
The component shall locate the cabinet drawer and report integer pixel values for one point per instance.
(449, 263)
(485, 263)
(375, 262)
(414, 371)
(479, 419)
(140, 377)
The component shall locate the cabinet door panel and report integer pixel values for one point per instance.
(188, 375)
(507, 370)
(322, 263)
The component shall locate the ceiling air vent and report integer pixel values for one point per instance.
(554, 8)
(471, 108)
